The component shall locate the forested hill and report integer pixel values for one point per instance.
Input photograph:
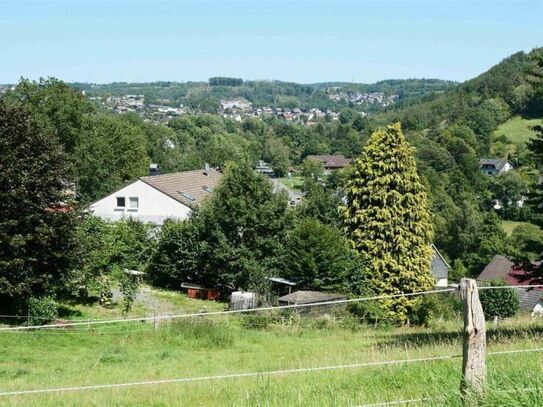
(206, 96)
(505, 89)
(482, 117)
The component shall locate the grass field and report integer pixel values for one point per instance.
(517, 129)
(206, 347)
(295, 183)
(508, 226)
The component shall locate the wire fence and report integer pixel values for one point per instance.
(157, 318)
(215, 313)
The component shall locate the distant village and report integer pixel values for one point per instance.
(239, 108)
(358, 98)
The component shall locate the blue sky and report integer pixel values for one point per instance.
(363, 41)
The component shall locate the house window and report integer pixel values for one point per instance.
(187, 196)
(121, 201)
(134, 202)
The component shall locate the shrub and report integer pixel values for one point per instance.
(440, 305)
(501, 302)
(255, 321)
(42, 310)
(369, 312)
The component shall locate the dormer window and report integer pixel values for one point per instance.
(121, 202)
(207, 189)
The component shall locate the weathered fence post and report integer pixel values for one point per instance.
(473, 366)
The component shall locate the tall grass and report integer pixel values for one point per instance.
(215, 346)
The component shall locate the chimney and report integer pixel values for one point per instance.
(206, 169)
(154, 169)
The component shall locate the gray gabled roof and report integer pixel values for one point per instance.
(498, 163)
(440, 267)
(498, 268)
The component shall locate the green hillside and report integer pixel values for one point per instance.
(517, 129)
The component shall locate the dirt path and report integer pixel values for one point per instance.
(152, 304)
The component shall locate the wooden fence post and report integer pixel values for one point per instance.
(473, 366)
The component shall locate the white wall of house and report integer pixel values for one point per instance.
(441, 282)
(142, 202)
(506, 167)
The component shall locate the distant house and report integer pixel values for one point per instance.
(440, 268)
(236, 104)
(494, 166)
(155, 198)
(331, 162)
(263, 168)
(503, 269)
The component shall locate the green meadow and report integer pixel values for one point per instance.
(131, 352)
(517, 129)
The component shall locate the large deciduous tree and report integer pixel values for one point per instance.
(318, 257)
(112, 153)
(387, 220)
(234, 240)
(37, 243)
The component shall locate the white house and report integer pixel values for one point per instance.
(494, 166)
(236, 104)
(155, 198)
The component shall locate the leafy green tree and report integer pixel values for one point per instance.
(129, 288)
(347, 115)
(37, 219)
(234, 240)
(312, 169)
(318, 257)
(108, 248)
(536, 147)
(223, 148)
(458, 271)
(388, 222)
(178, 254)
(527, 241)
(59, 108)
(320, 203)
(113, 153)
(508, 188)
(536, 197)
(277, 153)
(484, 119)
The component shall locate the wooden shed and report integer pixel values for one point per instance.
(199, 292)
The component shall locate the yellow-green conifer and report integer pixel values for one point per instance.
(387, 220)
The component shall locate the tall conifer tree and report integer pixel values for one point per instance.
(388, 222)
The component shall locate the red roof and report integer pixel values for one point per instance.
(501, 268)
(60, 208)
(331, 161)
(518, 276)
